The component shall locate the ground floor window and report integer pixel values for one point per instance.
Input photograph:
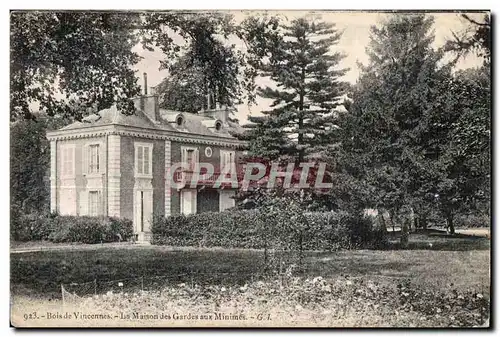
(95, 203)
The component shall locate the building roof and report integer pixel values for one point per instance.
(112, 116)
(199, 124)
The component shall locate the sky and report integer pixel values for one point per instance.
(355, 38)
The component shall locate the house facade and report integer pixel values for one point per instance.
(117, 165)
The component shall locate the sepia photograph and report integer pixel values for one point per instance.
(250, 168)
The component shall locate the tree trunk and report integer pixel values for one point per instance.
(405, 233)
(423, 221)
(391, 218)
(413, 221)
(300, 137)
(383, 223)
(450, 224)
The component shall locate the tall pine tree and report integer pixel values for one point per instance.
(303, 68)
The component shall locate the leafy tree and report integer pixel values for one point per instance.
(188, 84)
(204, 35)
(184, 89)
(416, 135)
(299, 60)
(30, 163)
(464, 181)
(69, 61)
(476, 38)
(379, 134)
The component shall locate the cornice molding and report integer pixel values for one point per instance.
(100, 131)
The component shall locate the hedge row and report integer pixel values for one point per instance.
(258, 229)
(84, 229)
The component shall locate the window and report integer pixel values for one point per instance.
(143, 159)
(68, 160)
(227, 159)
(94, 203)
(179, 120)
(93, 151)
(218, 126)
(190, 157)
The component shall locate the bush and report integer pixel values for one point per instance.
(83, 229)
(30, 227)
(281, 228)
(473, 221)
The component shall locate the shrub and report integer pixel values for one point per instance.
(84, 229)
(473, 221)
(278, 228)
(31, 226)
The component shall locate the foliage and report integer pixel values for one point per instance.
(185, 89)
(75, 63)
(464, 165)
(30, 163)
(31, 226)
(473, 221)
(83, 229)
(282, 228)
(403, 139)
(29, 166)
(476, 38)
(69, 62)
(299, 59)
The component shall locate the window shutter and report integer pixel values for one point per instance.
(85, 159)
(101, 157)
(147, 160)
(224, 161)
(84, 203)
(73, 164)
(196, 156)
(100, 210)
(184, 156)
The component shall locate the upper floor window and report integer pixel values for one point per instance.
(227, 158)
(143, 159)
(93, 158)
(68, 160)
(190, 156)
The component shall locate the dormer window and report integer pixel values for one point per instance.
(218, 125)
(179, 120)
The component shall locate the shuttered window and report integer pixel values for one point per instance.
(93, 159)
(68, 160)
(143, 159)
(95, 203)
(226, 160)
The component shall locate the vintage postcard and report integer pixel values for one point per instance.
(250, 169)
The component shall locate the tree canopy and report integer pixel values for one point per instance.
(70, 63)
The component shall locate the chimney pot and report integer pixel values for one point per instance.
(145, 83)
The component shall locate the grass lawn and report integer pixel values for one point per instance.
(461, 263)
(41, 273)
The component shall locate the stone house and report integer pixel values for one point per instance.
(112, 164)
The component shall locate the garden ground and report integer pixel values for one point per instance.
(433, 262)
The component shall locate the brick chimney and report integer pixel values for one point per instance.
(148, 104)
